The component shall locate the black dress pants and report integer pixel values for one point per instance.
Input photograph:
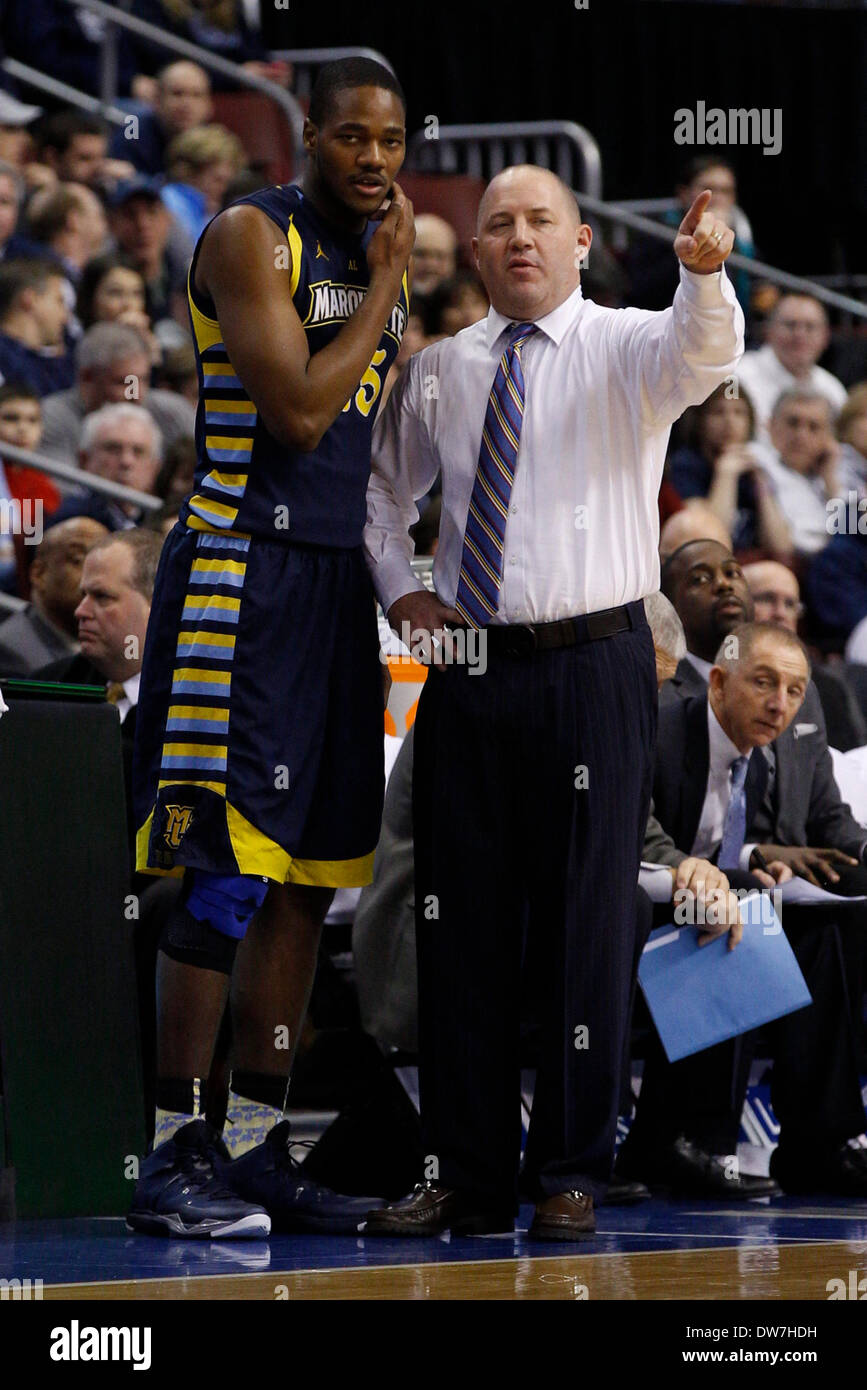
(530, 798)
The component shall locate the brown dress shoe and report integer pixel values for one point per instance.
(431, 1209)
(568, 1216)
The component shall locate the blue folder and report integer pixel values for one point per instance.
(701, 995)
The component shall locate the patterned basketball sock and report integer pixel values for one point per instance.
(178, 1102)
(255, 1106)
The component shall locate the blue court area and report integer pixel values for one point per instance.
(660, 1249)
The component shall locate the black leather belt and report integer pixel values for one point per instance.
(523, 639)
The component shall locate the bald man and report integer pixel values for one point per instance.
(777, 599)
(46, 629)
(695, 522)
(549, 421)
(434, 256)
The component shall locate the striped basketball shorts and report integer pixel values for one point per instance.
(259, 732)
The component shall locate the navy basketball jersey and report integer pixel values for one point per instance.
(248, 482)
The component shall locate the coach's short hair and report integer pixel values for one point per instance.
(747, 634)
(146, 546)
(342, 76)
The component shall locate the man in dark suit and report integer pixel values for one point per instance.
(803, 820)
(46, 629)
(709, 785)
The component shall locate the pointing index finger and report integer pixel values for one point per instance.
(694, 216)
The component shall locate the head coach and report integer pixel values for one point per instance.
(548, 421)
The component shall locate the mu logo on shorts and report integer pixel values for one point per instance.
(179, 820)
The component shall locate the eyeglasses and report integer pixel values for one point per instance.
(788, 605)
(792, 325)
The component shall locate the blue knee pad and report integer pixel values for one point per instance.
(227, 902)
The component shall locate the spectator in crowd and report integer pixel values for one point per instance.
(31, 491)
(33, 316)
(649, 258)
(176, 477)
(852, 434)
(121, 443)
(182, 101)
(14, 246)
(716, 463)
(112, 365)
(710, 745)
(797, 334)
(222, 26)
(434, 257)
(694, 522)
(141, 225)
(801, 465)
(74, 145)
(111, 613)
(835, 585)
(178, 373)
(46, 629)
(111, 290)
(201, 164)
(776, 598)
(16, 142)
(67, 221)
(454, 304)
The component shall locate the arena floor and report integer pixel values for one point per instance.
(783, 1250)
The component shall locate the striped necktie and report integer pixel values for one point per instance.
(735, 824)
(481, 571)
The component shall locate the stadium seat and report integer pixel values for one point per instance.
(452, 196)
(262, 129)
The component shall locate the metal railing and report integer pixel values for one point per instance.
(305, 62)
(483, 150)
(70, 474)
(613, 212)
(116, 17)
(71, 95)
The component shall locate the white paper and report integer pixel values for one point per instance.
(4, 708)
(799, 892)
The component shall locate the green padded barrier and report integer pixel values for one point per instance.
(70, 1071)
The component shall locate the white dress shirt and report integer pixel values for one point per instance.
(764, 379)
(129, 698)
(717, 795)
(801, 499)
(602, 389)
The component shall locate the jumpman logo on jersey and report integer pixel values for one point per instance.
(320, 252)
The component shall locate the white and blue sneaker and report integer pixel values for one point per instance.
(180, 1195)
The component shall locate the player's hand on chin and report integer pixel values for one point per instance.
(703, 241)
(390, 247)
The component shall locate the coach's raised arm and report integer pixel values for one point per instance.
(603, 389)
(548, 421)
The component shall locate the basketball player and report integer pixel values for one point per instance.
(258, 771)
